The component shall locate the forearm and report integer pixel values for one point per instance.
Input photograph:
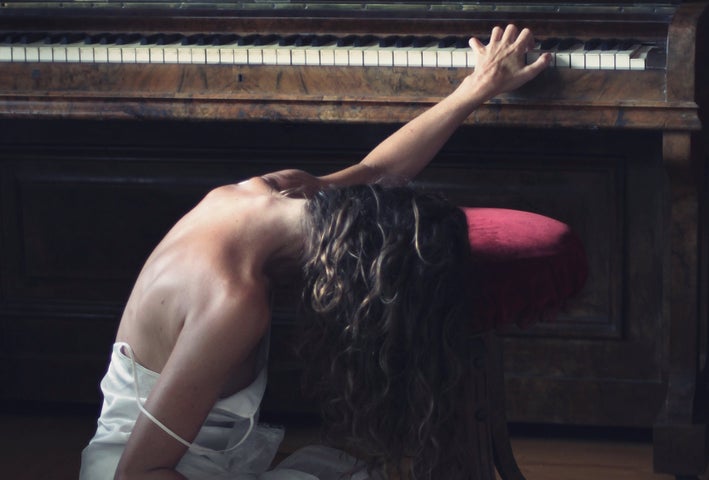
(408, 150)
(499, 67)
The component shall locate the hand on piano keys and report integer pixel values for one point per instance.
(501, 65)
(311, 50)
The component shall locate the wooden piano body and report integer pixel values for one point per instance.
(98, 159)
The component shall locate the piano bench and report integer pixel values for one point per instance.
(524, 267)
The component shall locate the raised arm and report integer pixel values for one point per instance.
(499, 67)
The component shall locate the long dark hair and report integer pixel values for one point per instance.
(387, 322)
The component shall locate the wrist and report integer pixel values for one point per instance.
(474, 91)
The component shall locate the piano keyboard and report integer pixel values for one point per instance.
(311, 50)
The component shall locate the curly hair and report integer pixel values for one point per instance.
(385, 340)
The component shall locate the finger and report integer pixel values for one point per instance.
(526, 39)
(476, 45)
(535, 68)
(510, 34)
(496, 34)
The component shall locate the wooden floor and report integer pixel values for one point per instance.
(47, 447)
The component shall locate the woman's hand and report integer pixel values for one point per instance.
(500, 65)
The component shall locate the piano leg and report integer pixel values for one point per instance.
(680, 433)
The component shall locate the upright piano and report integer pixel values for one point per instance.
(117, 116)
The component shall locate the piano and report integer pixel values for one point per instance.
(115, 117)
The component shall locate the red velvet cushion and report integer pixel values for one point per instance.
(525, 265)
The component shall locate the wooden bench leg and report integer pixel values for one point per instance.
(479, 450)
(504, 457)
(488, 443)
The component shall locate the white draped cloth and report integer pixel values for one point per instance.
(231, 444)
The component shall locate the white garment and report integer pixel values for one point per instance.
(231, 444)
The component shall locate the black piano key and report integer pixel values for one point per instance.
(103, 39)
(127, 39)
(593, 44)
(461, 42)
(419, 42)
(403, 42)
(453, 42)
(627, 44)
(27, 38)
(656, 59)
(288, 40)
(609, 44)
(322, 40)
(265, 40)
(156, 39)
(365, 40)
(346, 41)
(304, 40)
(196, 39)
(447, 42)
(549, 43)
(567, 43)
(389, 41)
(226, 39)
(247, 40)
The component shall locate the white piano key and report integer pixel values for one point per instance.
(128, 50)
(607, 59)
(355, 57)
(241, 55)
(18, 53)
(73, 52)
(429, 58)
(284, 56)
(198, 55)
(577, 58)
(142, 54)
(297, 56)
(400, 57)
(470, 58)
(5, 52)
(459, 58)
(226, 55)
(46, 53)
(184, 54)
(370, 56)
(532, 56)
(385, 56)
(592, 60)
(32, 52)
(86, 54)
(212, 55)
(416, 54)
(414, 57)
(269, 54)
(100, 54)
(341, 56)
(327, 55)
(622, 57)
(157, 54)
(114, 54)
(312, 56)
(639, 57)
(169, 54)
(444, 57)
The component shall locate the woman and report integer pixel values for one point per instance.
(188, 367)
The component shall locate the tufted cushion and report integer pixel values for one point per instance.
(525, 266)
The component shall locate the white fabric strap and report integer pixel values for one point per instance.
(192, 446)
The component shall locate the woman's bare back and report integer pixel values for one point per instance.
(225, 243)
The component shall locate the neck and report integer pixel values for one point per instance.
(285, 259)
